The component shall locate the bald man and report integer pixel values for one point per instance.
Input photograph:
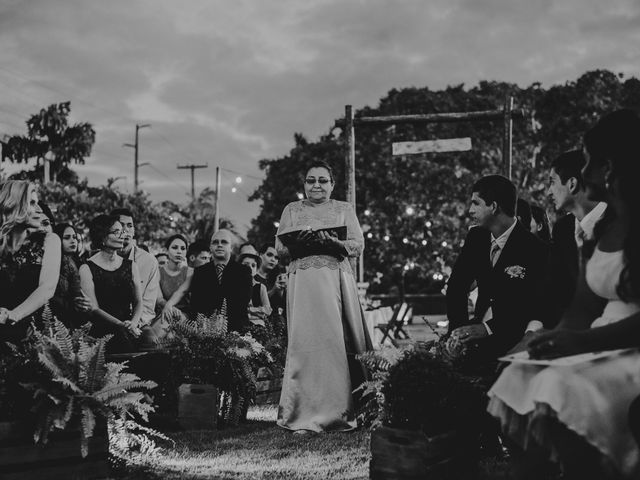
(222, 278)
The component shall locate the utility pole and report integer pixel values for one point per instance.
(136, 165)
(216, 215)
(192, 168)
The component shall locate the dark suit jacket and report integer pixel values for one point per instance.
(207, 293)
(562, 270)
(514, 301)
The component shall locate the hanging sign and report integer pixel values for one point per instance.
(432, 146)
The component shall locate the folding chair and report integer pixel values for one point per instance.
(394, 328)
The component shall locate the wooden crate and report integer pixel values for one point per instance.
(59, 459)
(198, 406)
(410, 455)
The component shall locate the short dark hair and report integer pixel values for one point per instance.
(170, 240)
(569, 165)
(523, 212)
(122, 212)
(99, 229)
(265, 247)
(320, 164)
(499, 189)
(196, 247)
(539, 214)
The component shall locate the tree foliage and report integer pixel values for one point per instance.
(418, 204)
(50, 135)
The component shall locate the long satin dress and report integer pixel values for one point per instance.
(326, 325)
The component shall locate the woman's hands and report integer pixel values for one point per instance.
(133, 327)
(559, 343)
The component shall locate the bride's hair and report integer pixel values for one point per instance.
(616, 139)
(14, 208)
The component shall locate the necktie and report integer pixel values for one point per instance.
(495, 248)
(219, 271)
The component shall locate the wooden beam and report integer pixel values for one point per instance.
(432, 146)
(484, 115)
(507, 115)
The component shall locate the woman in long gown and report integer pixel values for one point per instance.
(29, 260)
(577, 414)
(324, 317)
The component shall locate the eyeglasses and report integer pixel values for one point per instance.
(116, 233)
(313, 181)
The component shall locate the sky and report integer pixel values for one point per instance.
(228, 82)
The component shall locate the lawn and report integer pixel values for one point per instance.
(261, 450)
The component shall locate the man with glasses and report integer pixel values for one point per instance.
(146, 264)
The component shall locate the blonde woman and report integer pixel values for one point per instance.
(29, 259)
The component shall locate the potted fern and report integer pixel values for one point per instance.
(75, 393)
(217, 369)
(428, 418)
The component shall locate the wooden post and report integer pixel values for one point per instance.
(216, 215)
(507, 137)
(350, 173)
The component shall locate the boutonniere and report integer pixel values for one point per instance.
(515, 271)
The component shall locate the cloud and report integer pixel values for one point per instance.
(228, 82)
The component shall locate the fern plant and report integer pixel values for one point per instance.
(80, 388)
(212, 354)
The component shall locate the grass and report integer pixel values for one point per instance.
(259, 450)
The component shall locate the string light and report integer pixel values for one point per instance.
(386, 238)
(234, 190)
(367, 212)
(238, 179)
(405, 240)
(369, 235)
(300, 196)
(276, 224)
(409, 210)
(427, 224)
(444, 244)
(424, 243)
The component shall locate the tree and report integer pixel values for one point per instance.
(49, 136)
(413, 209)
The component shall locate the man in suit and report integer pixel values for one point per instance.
(222, 278)
(568, 192)
(507, 261)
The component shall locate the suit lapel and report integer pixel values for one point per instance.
(509, 249)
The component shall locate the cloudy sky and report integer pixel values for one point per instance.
(228, 82)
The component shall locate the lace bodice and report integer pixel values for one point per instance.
(332, 213)
(115, 290)
(20, 272)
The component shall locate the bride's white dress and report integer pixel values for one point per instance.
(590, 398)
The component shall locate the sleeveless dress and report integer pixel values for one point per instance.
(19, 277)
(170, 283)
(325, 323)
(591, 398)
(115, 293)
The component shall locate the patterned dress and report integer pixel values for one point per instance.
(325, 323)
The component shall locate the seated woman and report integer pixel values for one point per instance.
(175, 272)
(69, 303)
(29, 260)
(111, 284)
(578, 413)
(259, 306)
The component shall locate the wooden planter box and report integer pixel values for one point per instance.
(268, 388)
(410, 455)
(198, 406)
(59, 459)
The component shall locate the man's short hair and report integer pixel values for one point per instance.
(196, 247)
(569, 165)
(499, 189)
(523, 212)
(122, 212)
(265, 247)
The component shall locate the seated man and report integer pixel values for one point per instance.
(507, 262)
(198, 254)
(222, 278)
